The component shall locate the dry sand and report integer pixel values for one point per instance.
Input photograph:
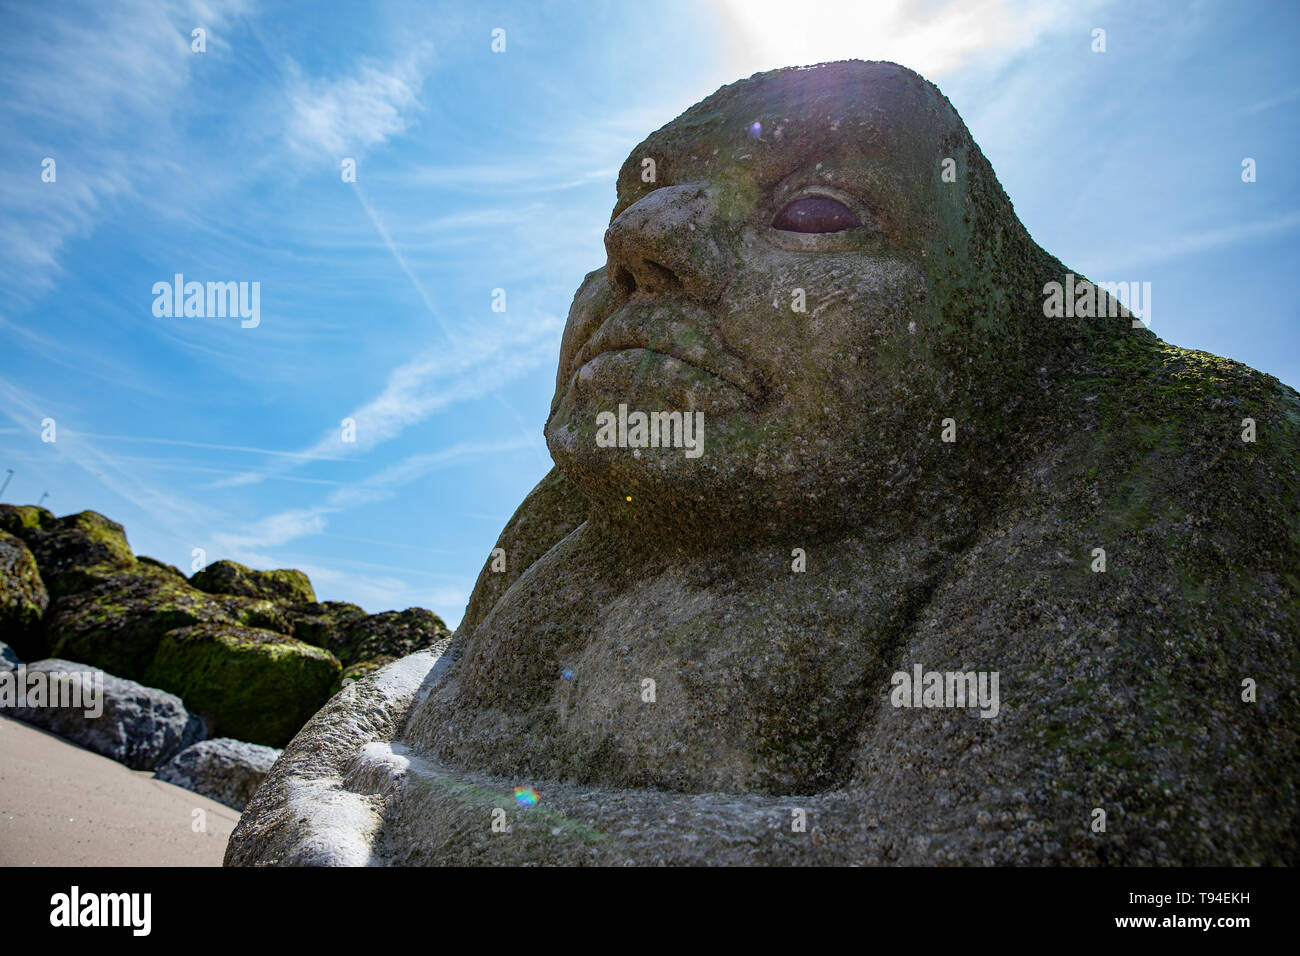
(61, 805)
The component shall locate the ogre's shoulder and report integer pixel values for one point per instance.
(1138, 592)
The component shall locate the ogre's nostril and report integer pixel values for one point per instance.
(658, 278)
(622, 281)
(646, 276)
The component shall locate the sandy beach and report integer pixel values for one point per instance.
(61, 805)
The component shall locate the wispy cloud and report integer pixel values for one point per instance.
(289, 525)
(427, 384)
(212, 446)
(347, 115)
(72, 85)
(1272, 101)
(1191, 243)
(27, 411)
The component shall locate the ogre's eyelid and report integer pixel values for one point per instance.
(815, 214)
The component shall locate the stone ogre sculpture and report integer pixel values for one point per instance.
(698, 659)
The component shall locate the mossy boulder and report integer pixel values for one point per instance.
(248, 683)
(156, 568)
(355, 637)
(23, 598)
(324, 624)
(390, 635)
(256, 612)
(17, 518)
(75, 552)
(230, 577)
(118, 624)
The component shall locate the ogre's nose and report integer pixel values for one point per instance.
(669, 243)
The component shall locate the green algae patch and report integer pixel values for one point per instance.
(247, 683)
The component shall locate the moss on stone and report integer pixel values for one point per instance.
(248, 683)
(17, 518)
(230, 577)
(23, 599)
(74, 553)
(118, 624)
(323, 623)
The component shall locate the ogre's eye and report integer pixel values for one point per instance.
(815, 214)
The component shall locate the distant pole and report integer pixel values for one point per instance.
(44, 495)
(6, 484)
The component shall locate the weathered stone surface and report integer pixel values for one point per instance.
(8, 658)
(230, 577)
(23, 598)
(248, 683)
(228, 771)
(125, 721)
(550, 511)
(829, 538)
(74, 553)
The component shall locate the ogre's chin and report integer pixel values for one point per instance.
(729, 483)
(625, 460)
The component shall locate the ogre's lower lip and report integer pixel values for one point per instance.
(738, 381)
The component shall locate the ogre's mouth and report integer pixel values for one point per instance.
(678, 338)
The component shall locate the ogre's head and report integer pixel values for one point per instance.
(820, 261)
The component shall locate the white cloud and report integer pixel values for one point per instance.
(931, 38)
(344, 116)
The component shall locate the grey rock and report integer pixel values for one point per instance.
(135, 725)
(8, 659)
(229, 771)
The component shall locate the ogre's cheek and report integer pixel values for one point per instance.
(591, 303)
(807, 319)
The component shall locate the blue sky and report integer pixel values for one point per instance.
(479, 171)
